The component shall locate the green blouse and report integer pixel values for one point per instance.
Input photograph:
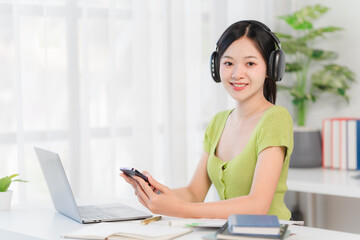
(234, 178)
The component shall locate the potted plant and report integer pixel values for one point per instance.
(5, 194)
(307, 86)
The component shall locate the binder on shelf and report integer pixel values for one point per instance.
(326, 143)
(358, 143)
(335, 143)
(341, 143)
(352, 144)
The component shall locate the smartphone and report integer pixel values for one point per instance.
(130, 172)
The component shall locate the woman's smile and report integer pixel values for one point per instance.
(238, 86)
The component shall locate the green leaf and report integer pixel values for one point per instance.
(314, 33)
(282, 36)
(301, 20)
(4, 184)
(293, 67)
(318, 54)
(334, 79)
(341, 91)
(301, 97)
(19, 180)
(295, 101)
(14, 175)
(309, 97)
(313, 98)
(312, 12)
(6, 181)
(341, 70)
(296, 46)
(296, 23)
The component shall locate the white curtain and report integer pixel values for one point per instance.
(107, 83)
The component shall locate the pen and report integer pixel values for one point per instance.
(149, 220)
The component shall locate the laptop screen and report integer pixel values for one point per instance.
(58, 183)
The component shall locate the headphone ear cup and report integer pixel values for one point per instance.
(214, 67)
(277, 65)
(271, 65)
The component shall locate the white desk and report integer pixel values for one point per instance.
(35, 223)
(324, 181)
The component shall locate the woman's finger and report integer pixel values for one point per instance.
(142, 202)
(138, 191)
(148, 190)
(158, 186)
(139, 198)
(128, 179)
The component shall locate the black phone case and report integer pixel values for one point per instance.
(130, 172)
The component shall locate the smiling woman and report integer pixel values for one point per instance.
(110, 83)
(247, 149)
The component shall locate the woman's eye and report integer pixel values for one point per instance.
(228, 63)
(250, 64)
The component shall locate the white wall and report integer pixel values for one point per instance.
(332, 212)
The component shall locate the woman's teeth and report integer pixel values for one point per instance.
(239, 85)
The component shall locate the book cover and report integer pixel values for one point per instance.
(358, 143)
(343, 144)
(335, 143)
(352, 144)
(254, 224)
(326, 143)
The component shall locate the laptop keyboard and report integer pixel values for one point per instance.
(106, 212)
(93, 212)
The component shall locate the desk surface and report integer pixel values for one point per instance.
(39, 222)
(324, 181)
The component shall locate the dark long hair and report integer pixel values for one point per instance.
(263, 42)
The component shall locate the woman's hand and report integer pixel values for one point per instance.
(159, 199)
(134, 183)
(129, 180)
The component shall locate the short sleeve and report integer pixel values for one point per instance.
(276, 130)
(214, 128)
(207, 136)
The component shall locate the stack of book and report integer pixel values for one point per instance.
(341, 143)
(252, 227)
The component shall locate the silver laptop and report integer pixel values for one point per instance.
(64, 200)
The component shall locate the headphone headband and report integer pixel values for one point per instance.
(276, 62)
(264, 27)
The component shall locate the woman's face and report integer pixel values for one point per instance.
(243, 70)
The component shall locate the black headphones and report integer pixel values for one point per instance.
(276, 64)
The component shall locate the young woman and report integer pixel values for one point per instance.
(246, 149)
